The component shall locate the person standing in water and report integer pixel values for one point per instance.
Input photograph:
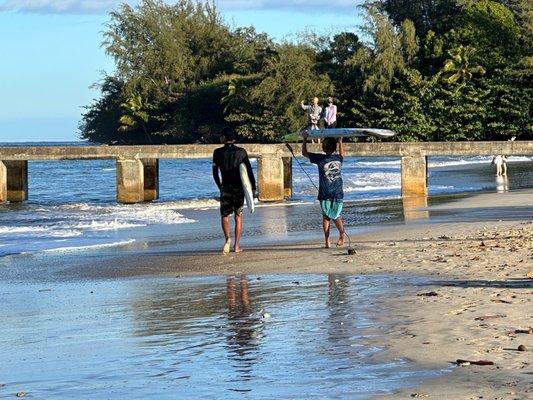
(227, 159)
(500, 161)
(330, 191)
(330, 114)
(314, 112)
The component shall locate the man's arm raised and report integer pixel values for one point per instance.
(341, 147)
(305, 135)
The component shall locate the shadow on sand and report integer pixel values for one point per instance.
(507, 284)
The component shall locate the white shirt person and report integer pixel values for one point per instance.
(330, 114)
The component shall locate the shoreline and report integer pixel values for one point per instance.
(478, 270)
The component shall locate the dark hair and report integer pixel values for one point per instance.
(228, 134)
(329, 145)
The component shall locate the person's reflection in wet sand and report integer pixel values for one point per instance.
(244, 327)
(339, 307)
(502, 184)
(343, 341)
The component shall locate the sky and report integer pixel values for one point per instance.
(50, 54)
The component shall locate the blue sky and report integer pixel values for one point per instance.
(50, 54)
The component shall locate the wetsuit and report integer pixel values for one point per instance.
(227, 159)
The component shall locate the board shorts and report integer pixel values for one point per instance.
(231, 201)
(331, 208)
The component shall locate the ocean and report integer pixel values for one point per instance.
(72, 205)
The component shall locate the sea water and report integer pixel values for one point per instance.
(234, 337)
(72, 205)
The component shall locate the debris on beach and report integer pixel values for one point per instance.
(21, 394)
(501, 301)
(445, 237)
(428, 294)
(485, 317)
(522, 348)
(470, 362)
(527, 331)
(530, 274)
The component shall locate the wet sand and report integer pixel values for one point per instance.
(480, 293)
(479, 278)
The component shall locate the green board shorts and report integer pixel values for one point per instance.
(331, 208)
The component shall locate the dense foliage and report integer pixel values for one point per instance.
(428, 69)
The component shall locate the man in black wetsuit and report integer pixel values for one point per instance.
(227, 159)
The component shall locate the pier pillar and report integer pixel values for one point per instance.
(130, 181)
(151, 178)
(287, 177)
(270, 174)
(17, 180)
(3, 182)
(414, 176)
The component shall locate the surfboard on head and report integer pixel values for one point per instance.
(247, 188)
(341, 132)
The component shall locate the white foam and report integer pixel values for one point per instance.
(126, 216)
(38, 230)
(90, 247)
(107, 225)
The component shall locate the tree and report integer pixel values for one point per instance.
(266, 106)
(382, 57)
(461, 65)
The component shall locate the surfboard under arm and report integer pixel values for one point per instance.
(247, 187)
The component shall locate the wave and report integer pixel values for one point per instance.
(107, 225)
(89, 247)
(39, 230)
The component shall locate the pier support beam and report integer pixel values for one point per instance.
(3, 182)
(130, 181)
(287, 177)
(17, 180)
(151, 178)
(270, 174)
(414, 176)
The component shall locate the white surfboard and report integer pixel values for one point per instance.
(349, 132)
(247, 187)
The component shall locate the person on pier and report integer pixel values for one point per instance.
(227, 159)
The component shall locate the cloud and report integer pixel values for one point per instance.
(104, 6)
(60, 6)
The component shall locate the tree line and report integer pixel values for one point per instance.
(431, 70)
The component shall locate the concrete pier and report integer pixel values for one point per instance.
(17, 180)
(414, 176)
(130, 181)
(270, 176)
(3, 182)
(151, 178)
(287, 177)
(138, 166)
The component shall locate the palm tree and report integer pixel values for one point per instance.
(134, 115)
(461, 65)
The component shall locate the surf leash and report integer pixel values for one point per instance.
(351, 250)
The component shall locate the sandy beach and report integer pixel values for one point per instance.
(477, 306)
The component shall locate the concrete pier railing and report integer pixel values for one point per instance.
(137, 167)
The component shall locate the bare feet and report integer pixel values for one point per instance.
(340, 242)
(328, 244)
(227, 246)
(237, 249)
